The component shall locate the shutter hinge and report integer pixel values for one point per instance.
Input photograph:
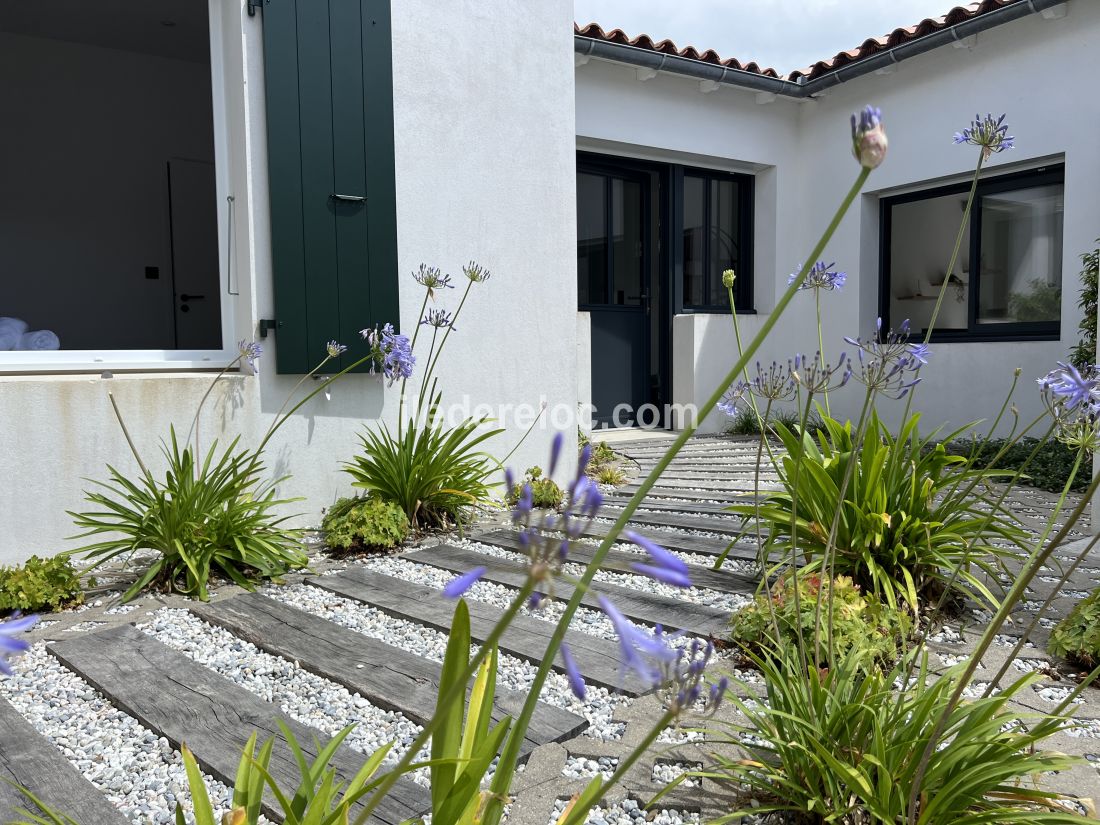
(255, 4)
(267, 324)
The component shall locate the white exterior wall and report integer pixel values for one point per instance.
(485, 170)
(1037, 70)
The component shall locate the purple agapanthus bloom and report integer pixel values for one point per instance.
(573, 673)
(646, 654)
(463, 583)
(1072, 397)
(250, 351)
(730, 401)
(437, 318)
(815, 375)
(869, 137)
(476, 273)
(335, 350)
(989, 132)
(432, 279)
(888, 364)
(777, 383)
(392, 352)
(663, 566)
(9, 644)
(820, 276)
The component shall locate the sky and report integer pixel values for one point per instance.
(781, 34)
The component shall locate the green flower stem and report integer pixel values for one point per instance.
(277, 422)
(502, 780)
(457, 689)
(794, 533)
(740, 352)
(404, 381)
(443, 343)
(126, 433)
(821, 346)
(576, 816)
(1081, 453)
(206, 395)
(1038, 557)
(963, 228)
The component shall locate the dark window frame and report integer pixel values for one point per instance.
(746, 204)
(1021, 331)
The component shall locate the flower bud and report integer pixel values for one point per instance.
(869, 138)
(234, 817)
(728, 278)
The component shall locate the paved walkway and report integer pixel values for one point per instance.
(178, 697)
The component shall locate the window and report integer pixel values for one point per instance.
(109, 213)
(1007, 283)
(716, 236)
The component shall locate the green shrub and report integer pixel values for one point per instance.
(913, 519)
(40, 584)
(610, 475)
(364, 523)
(845, 745)
(858, 620)
(200, 519)
(1077, 637)
(747, 423)
(1048, 470)
(1085, 351)
(545, 494)
(1041, 302)
(433, 473)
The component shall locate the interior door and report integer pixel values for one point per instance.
(196, 278)
(612, 267)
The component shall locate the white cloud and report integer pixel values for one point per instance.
(783, 34)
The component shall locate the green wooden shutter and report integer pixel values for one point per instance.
(329, 79)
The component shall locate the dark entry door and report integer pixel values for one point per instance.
(612, 269)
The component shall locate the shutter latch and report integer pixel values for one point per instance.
(267, 324)
(255, 4)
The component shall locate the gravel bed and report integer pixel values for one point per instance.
(513, 673)
(665, 773)
(630, 812)
(582, 767)
(304, 696)
(661, 528)
(697, 595)
(137, 771)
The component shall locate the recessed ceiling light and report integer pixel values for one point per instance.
(168, 24)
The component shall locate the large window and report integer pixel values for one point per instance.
(716, 236)
(109, 213)
(1007, 283)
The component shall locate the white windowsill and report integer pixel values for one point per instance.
(93, 361)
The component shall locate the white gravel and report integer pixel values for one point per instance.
(665, 772)
(137, 771)
(630, 812)
(515, 674)
(583, 767)
(304, 696)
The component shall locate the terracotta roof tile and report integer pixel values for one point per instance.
(644, 41)
(866, 49)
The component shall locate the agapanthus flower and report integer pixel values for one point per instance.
(476, 272)
(729, 278)
(663, 566)
(392, 352)
(774, 384)
(685, 683)
(334, 349)
(432, 279)
(648, 655)
(1072, 397)
(869, 137)
(989, 132)
(10, 645)
(573, 673)
(437, 318)
(888, 364)
(250, 351)
(463, 583)
(815, 376)
(732, 399)
(820, 276)
(920, 352)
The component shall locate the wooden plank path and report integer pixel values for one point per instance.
(674, 614)
(725, 526)
(526, 638)
(392, 678)
(187, 703)
(617, 502)
(684, 542)
(30, 760)
(620, 561)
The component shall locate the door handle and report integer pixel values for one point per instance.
(185, 297)
(347, 198)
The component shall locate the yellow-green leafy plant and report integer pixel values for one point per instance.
(1077, 636)
(545, 493)
(364, 523)
(41, 584)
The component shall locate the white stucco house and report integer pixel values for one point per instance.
(182, 175)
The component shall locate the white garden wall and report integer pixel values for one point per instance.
(485, 170)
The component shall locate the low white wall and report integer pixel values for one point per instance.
(485, 170)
